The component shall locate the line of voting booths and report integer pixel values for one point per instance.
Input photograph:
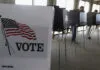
(82, 18)
(74, 17)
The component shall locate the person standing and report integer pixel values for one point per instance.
(74, 27)
(89, 29)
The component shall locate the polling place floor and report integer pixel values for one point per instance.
(82, 56)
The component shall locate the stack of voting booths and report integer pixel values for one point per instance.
(74, 18)
(63, 20)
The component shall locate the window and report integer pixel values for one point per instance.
(81, 3)
(68, 4)
(23, 2)
(95, 7)
(30, 2)
(85, 4)
(61, 3)
(40, 2)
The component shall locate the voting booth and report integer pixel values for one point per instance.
(98, 19)
(77, 18)
(83, 18)
(91, 18)
(73, 17)
(25, 37)
(58, 23)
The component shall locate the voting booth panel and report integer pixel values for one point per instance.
(58, 23)
(91, 18)
(77, 18)
(83, 18)
(25, 37)
(73, 18)
(98, 19)
(65, 18)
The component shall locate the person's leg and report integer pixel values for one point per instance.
(89, 32)
(74, 33)
(97, 26)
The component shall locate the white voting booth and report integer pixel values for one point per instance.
(83, 18)
(97, 18)
(26, 45)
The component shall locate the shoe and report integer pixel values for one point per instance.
(75, 42)
(89, 38)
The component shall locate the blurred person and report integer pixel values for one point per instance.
(74, 27)
(89, 30)
(81, 9)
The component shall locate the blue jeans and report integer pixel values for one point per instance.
(74, 28)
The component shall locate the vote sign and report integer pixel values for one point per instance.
(23, 36)
(24, 40)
